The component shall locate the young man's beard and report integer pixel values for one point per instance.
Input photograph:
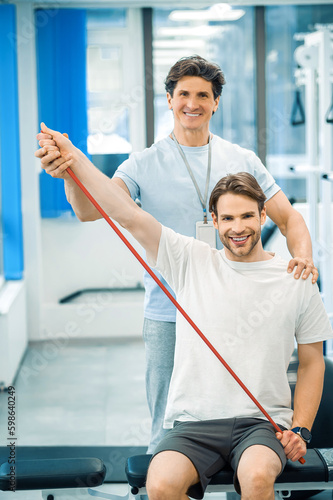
(241, 251)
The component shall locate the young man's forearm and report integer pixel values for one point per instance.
(309, 386)
(112, 198)
(308, 391)
(83, 208)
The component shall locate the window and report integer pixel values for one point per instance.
(227, 40)
(114, 85)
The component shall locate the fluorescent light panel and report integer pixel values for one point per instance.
(217, 12)
(203, 30)
(175, 44)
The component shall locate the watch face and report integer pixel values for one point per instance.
(305, 434)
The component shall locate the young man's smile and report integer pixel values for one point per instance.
(239, 240)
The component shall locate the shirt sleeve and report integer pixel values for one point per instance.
(128, 173)
(172, 257)
(264, 178)
(313, 324)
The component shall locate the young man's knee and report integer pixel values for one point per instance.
(162, 488)
(261, 477)
(169, 476)
(257, 483)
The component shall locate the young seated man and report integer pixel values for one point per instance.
(252, 310)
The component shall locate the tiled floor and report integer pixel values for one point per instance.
(83, 393)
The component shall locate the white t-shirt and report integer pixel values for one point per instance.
(251, 313)
(158, 177)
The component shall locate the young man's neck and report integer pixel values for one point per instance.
(257, 255)
(191, 138)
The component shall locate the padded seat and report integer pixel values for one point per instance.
(53, 473)
(317, 469)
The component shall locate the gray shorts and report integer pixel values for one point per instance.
(211, 444)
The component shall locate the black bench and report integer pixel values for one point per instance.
(316, 474)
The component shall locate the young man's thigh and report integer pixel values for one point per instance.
(172, 468)
(257, 453)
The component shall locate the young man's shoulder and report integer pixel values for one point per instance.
(193, 245)
(279, 268)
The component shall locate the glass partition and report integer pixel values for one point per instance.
(225, 37)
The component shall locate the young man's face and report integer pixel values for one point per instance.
(193, 103)
(239, 225)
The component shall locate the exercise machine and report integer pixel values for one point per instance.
(314, 59)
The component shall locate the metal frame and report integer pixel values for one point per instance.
(282, 490)
(314, 58)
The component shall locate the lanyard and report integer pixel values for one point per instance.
(203, 201)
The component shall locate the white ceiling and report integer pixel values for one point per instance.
(164, 3)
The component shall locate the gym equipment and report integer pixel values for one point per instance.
(316, 474)
(58, 470)
(297, 113)
(82, 292)
(315, 63)
(329, 114)
(51, 473)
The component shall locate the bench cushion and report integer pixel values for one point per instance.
(317, 468)
(54, 473)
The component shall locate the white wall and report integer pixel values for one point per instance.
(13, 329)
(79, 255)
(27, 86)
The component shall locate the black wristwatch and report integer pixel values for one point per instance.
(304, 433)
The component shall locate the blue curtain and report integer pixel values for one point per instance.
(62, 94)
(11, 213)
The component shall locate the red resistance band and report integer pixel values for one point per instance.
(173, 300)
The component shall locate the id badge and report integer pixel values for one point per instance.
(206, 233)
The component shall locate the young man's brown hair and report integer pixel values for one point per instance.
(242, 183)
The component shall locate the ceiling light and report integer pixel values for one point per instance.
(217, 12)
(190, 43)
(189, 31)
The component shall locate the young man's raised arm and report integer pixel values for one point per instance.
(112, 197)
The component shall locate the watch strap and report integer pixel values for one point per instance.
(298, 430)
